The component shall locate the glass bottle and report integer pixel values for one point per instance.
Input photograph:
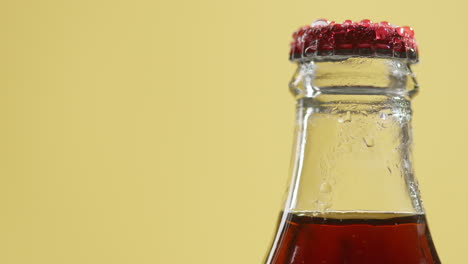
(353, 197)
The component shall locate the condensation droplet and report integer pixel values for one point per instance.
(421, 230)
(325, 187)
(348, 117)
(369, 142)
(383, 125)
(320, 22)
(383, 116)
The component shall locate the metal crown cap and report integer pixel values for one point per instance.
(327, 40)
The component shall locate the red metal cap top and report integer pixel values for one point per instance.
(326, 39)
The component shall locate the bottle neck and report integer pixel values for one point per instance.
(353, 139)
(354, 76)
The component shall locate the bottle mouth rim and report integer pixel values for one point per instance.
(337, 57)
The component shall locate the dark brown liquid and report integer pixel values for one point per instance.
(369, 239)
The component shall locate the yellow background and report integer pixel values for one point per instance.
(160, 131)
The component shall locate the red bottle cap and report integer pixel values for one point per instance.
(326, 39)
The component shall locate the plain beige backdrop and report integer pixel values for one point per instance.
(160, 131)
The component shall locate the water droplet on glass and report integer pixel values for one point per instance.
(325, 187)
(345, 118)
(383, 125)
(348, 117)
(369, 142)
(406, 164)
(421, 230)
(383, 116)
(320, 22)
